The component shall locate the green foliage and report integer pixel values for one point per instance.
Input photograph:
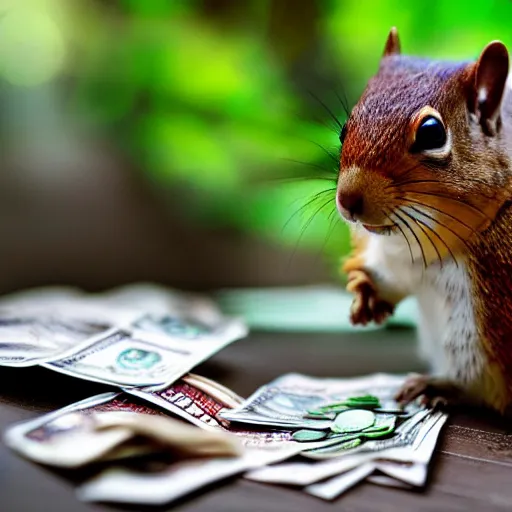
(220, 117)
(211, 96)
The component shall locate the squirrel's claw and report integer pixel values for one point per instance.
(415, 385)
(433, 394)
(366, 305)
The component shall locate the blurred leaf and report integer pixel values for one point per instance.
(210, 95)
(156, 8)
(179, 146)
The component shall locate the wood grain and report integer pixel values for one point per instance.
(472, 469)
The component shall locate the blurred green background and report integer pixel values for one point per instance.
(215, 102)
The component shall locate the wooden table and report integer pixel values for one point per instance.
(472, 469)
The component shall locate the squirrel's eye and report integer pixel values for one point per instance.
(343, 132)
(429, 135)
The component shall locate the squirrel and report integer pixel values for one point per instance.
(425, 184)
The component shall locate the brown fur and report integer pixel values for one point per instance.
(469, 192)
(368, 305)
(490, 265)
(375, 158)
(355, 260)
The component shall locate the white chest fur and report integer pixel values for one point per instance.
(448, 336)
(448, 333)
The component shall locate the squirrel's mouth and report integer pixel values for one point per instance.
(386, 229)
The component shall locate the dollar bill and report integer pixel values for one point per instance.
(340, 484)
(44, 325)
(172, 313)
(403, 466)
(33, 333)
(286, 401)
(386, 481)
(199, 401)
(202, 402)
(404, 435)
(204, 405)
(424, 432)
(412, 470)
(171, 434)
(156, 299)
(37, 296)
(67, 437)
(122, 485)
(214, 389)
(336, 486)
(147, 359)
(402, 459)
(108, 427)
(406, 467)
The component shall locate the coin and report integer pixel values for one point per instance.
(376, 434)
(366, 401)
(319, 415)
(382, 423)
(303, 436)
(342, 445)
(353, 420)
(328, 408)
(355, 402)
(364, 398)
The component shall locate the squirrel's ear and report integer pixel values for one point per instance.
(490, 77)
(392, 44)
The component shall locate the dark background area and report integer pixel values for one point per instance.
(154, 140)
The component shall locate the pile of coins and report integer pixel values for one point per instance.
(352, 421)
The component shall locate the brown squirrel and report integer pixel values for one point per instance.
(426, 184)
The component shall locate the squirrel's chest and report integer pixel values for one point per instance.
(448, 331)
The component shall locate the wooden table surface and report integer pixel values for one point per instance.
(472, 469)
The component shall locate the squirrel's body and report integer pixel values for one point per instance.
(426, 181)
(453, 334)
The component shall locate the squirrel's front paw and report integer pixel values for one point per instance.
(434, 393)
(366, 305)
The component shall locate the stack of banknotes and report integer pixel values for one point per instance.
(166, 432)
(138, 335)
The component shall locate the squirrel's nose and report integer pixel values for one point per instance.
(350, 205)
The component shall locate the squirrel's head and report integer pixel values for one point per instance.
(424, 153)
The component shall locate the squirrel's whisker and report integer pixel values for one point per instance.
(327, 109)
(333, 157)
(332, 218)
(307, 224)
(421, 182)
(344, 103)
(316, 197)
(456, 219)
(451, 198)
(310, 220)
(437, 221)
(415, 236)
(326, 171)
(422, 224)
(440, 238)
(397, 224)
(301, 178)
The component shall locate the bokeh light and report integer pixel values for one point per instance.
(32, 48)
